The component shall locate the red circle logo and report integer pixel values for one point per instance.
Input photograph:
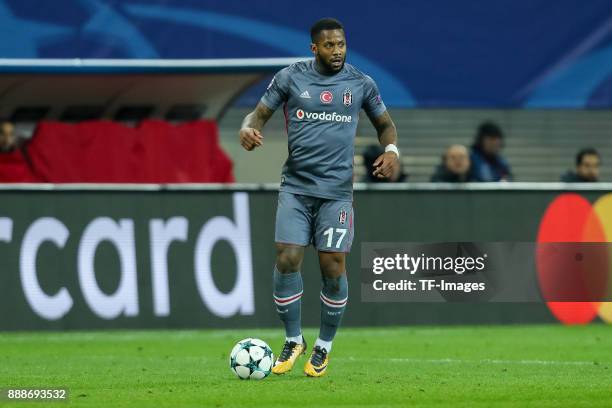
(572, 218)
(326, 97)
(300, 114)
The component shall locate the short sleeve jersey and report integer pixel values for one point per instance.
(321, 113)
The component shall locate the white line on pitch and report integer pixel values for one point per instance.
(483, 361)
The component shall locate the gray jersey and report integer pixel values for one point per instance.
(321, 113)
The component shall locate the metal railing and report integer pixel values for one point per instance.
(514, 186)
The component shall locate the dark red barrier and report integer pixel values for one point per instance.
(14, 168)
(108, 152)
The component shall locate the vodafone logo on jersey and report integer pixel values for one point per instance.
(323, 116)
(326, 97)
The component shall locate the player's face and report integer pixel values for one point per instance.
(330, 49)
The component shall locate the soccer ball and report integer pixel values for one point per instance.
(251, 359)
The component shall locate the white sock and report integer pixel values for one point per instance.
(296, 339)
(327, 345)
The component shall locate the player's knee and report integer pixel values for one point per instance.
(289, 259)
(332, 265)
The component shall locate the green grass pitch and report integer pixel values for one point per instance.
(502, 366)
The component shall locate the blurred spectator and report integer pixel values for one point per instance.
(455, 166)
(487, 162)
(370, 154)
(9, 139)
(587, 167)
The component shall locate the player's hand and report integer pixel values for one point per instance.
(250, 138)
(385, 164)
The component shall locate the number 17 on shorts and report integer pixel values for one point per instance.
(329, 233)
(334, 227)
(302, 220)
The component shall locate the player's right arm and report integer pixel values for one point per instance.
(253, 123)
(275, 95)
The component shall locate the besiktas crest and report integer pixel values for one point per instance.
(347, 97)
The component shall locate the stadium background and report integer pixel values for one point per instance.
(507, 62)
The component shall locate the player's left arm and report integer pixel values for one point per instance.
(387, 136)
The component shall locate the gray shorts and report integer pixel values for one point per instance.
(302, 220)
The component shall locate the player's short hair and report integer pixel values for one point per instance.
(589, 151)
(327, 23)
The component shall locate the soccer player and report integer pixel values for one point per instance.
(322, 99)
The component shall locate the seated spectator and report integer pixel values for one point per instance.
(455, 166)
(9, 139)
(587, 167)
(370, 155)
(487, 162)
